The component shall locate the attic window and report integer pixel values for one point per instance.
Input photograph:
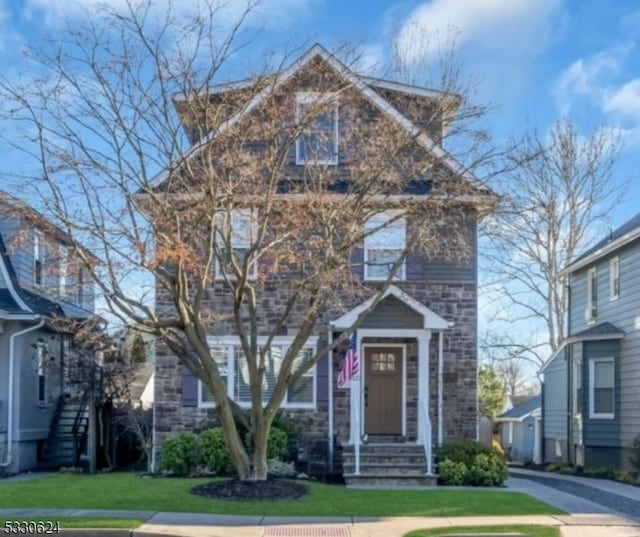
(317, 115)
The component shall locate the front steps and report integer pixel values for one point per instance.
(387, 465)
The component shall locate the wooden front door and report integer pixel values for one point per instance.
(383, 390)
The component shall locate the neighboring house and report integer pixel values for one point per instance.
(591, 389)
(38, 289)
(138, 347)
(521, 430)
(418, 347)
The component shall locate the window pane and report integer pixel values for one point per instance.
(603, 401)
(392, 236)
(242, 389)
(603, 374)
(380, 262)
(301, 391)
(318, 141)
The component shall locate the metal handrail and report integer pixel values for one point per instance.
(427, 437)
(357, 441)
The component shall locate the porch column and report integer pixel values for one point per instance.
(355, 391)
(423, 383)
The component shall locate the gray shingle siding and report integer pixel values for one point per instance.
(555, 398)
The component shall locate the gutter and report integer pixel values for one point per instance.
(9, 458)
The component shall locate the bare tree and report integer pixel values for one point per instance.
(212, 216)
(557, 196)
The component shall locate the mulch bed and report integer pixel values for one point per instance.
(269, 490)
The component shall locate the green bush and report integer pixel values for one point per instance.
(215, 455)
(277, 443)
(602, 472)
(181, 454)
(487, 470)
(634, 453)
(461, 451)
(452, 473)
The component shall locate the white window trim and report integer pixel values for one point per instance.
(401, 273)
(41, 371)
(614, 274)
(311, 97)
(62, 277)
(230, 342)
(38, 248)
(253, 274)
(592, 273)
(592, 413)
(577, 373)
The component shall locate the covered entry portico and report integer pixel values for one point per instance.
(378, 404)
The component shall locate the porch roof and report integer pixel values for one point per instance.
(431, 320)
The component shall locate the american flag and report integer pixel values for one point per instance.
(350, 364)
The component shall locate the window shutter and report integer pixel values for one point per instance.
(189, 388)
(322, 387)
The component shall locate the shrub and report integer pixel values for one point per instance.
(634, 453)
(452, 473)
(215, 454)
(602, 472)
(181, 454)
(461, 451)
(278, 468)
(276, 443)
(487, 470)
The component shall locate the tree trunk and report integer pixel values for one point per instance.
(259, 466)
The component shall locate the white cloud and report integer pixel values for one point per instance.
(507, 27)
(586, 77)
(370, 59)
(624, 102)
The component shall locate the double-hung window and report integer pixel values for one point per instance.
(614, 278)
(232, 364)
(236, 229)
(384, 244)
(592, 295)
(42, 374)
(317, 116)
(219, 355)
(601, 388)
(38, 258)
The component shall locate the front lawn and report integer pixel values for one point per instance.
(130, 492)
(529, 531)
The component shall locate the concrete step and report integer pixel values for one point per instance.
(377, 458)
(386, 449)
(389, 469)
(390, 481)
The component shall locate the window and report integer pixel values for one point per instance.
(577, 385)
(301, 393)
(510, 440)
(80, 288)
(237, 229)
(219, 355)
(614, 278)
(383, 361)
(62, 277)
(601, 384)
(318, 142)
(383, 245)
(592, 295)
(42, 377)
(38, 259)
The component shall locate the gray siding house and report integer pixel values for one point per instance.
(418, 347)
(521, 431)
(591, 389)
(37, 289)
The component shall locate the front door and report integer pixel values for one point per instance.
(383, 390)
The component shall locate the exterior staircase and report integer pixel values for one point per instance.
(389, 463)
(67, 434)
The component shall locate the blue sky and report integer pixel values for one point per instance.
(535, 60)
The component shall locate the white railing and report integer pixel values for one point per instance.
(427, 437)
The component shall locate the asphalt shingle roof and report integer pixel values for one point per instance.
(600, 329)
(625, 228)
(523, 408)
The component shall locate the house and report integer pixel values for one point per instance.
(417, 346)
(39, 289)
(521, 430)
(591, 389)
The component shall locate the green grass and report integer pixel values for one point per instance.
(128, 491)
(529, 531)
(80, 522)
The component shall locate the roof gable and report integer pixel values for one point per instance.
(431, 320)
(360, 84)
(523, 410)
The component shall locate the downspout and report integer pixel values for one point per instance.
(9, 458)
(330, 377)
(440, 386)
